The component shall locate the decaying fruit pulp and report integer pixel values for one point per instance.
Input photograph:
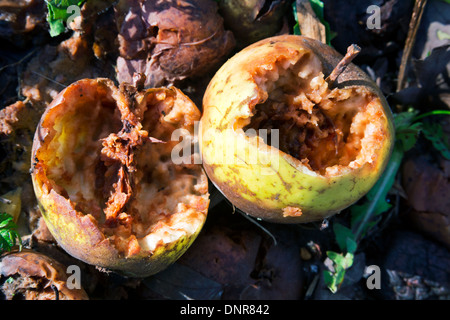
(319, 145)
(253, 20)
(170, 40)
(30, 275)
(105, 180)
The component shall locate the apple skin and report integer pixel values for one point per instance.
(78, 233)
(257, 188)
(244, 18)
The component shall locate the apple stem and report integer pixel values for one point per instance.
(352, 52)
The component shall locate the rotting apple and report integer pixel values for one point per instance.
(253, 20)
(170, 40)
(324, 144)
(30, 275)
(106, 184)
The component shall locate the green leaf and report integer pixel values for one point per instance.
(3, 245)
(342, 234)
(351, 245)
(408, 127)
(296, 29)
(57, 14)
(441, 35)
(379, 202)
(5, 222)
(333, 279)
(348, 260)
(7, 240)
(337, 258)
(330, 281)
(406, 131)
(402, 120)
(340, 260)
(56, 28)
(408, 136)
(8, 232)
(435, 134)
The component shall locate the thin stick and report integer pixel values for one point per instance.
(308, 22)
(18, 62)
(257, 224)
(352, 52)
(312, 287)
(49, 79)
(418, 10)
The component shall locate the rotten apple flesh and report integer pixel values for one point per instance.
(31, 275)
(170, 41)
(106, 184)
(299, 147)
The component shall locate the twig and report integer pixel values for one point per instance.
(56, 291)
(308, 22)
(29, 54)
(352, 52)
(257, 224)
(312, 287)
(49, 79)
(193, 43)
(416, 17)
